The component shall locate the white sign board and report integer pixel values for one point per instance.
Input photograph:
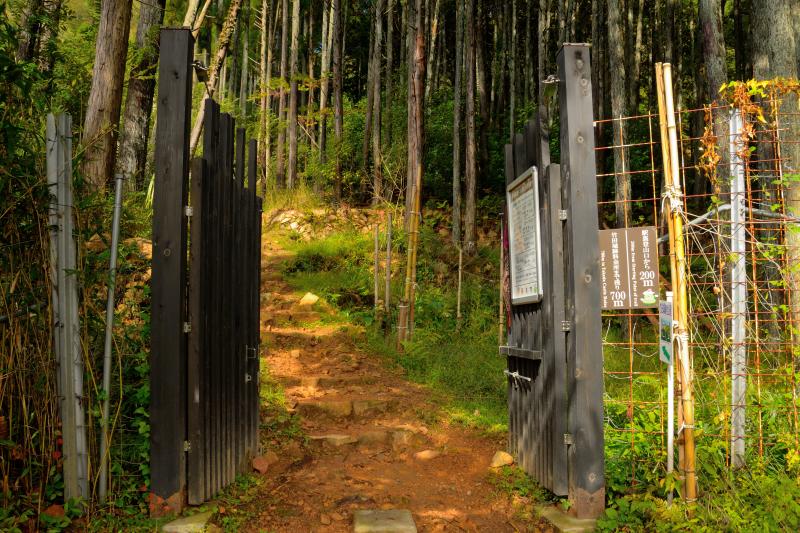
(665, 331)
(524, 235)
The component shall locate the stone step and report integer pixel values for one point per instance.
(333, 408)
(321, 382)
(383, 521)
(396, 438)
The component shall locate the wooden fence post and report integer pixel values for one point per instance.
(168, 282)
(583, 322)
(66, 329)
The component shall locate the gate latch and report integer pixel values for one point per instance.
(187, 446)
(516, 377)
(568, 439)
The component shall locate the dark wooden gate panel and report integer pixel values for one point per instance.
(554, 351)
(205, 333)
(224, 306)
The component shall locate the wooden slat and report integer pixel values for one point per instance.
(556, 349)
(168, 282)
(241, 149)
(197, 340)
(584, 342)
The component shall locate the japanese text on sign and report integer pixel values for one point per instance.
(629, 268)
(525, 238)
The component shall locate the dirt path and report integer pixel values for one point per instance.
(362, 425)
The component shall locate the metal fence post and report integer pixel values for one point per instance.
(738, 292)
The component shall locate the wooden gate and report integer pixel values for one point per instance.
(205, 318)
(554, 350)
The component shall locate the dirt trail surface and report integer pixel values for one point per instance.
(369, 439)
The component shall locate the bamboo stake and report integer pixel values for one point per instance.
(673, 194)
(388, 289)
(500, 314)
(376, 259)
(458, 294)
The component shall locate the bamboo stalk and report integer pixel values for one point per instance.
(678, 258)
(500, 314)
(388, 289)
(458, 294)
(376, 260)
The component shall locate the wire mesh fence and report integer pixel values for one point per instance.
(739, 172)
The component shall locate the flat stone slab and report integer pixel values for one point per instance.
(564, 523)
(383, 521)
(335, 439)
(197, 523)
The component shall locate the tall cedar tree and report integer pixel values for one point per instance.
(105, 97)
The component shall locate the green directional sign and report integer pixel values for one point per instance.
(665, 331)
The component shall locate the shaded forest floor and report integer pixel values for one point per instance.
(344, 431)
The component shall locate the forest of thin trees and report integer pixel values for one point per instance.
(373, 100)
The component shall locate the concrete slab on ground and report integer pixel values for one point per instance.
(196, 523)
(383, 521)
(564, 523)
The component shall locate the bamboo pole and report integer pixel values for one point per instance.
(500, 314)
(673, 196)
(458, 294)
(388, 289)
(376, 266)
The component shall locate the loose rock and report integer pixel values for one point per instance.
(262, 463)
(309, 299)
(501, 459)
(426, 455)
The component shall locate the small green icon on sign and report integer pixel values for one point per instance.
(648, 297)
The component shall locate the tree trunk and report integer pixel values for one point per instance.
(512, 82)
(389, 64)
(480, 87)
(292, 173)
(219, 61)
(370, 95)
(264, 71)
(776, 45)
(105, 97)
(132, 160)
(280, 171)
(622, 189)
(30, 24)
(376, 102)
(432, 49)
(327, 41)
(411, 19)
(635, 57)
(310, 130)
(457, 97)
(471, 171)
(191, 13)
(244, 72)
(338, 110)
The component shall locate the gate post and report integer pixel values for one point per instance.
(582, 280)
(168, 282)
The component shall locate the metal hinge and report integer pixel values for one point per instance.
(187, 327)
(566, 325)
(562, 214)
(187, 446)
(188, 211)
(568, 439)
(248, 350)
